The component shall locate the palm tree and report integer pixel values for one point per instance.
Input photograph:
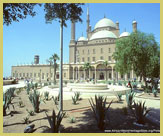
(50, 61)
(105, 63)
(54, 57)
(87, 66)
(62, 12)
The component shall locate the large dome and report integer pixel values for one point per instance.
(104, 23)
(103, 34)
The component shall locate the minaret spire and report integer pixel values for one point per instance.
(88, 21)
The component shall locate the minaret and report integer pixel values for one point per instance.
(72, 33)
(134, 26)
(88, 21)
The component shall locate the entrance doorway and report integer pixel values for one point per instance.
(101, 76)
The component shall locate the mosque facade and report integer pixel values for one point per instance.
(95, 49)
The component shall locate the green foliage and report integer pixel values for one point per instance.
(55, 120)
(139, 52)
(74, 100)
(125, 110)
(11, 91)
(100, 110)
(28, 88)
(7, 101)
(155, 92)
(56, 100)
(140, 111)
(30, 112)
(16, 11)
(63, 11)
(46, 95)
(36, 85)
(45, 84)
(72, 119)
(87, 66)
(26, 120)
(130, 99)
(35, 99)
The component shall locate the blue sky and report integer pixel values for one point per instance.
(22, 40)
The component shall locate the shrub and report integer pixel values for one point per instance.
(55, 120)
(130, 99)
(100, 110)
(35, 99)
(36, 85)
(7, 101)
(140, 111)
(154, 91)
(45, 84)
(56, 99)
(46, 95)
(77, 95)
(65, 82)
(11, 91)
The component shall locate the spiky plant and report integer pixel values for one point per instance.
(74, 100)
(26, 120)
(28, 88)
(119, 97)
(46, 95)
(35, 99)
(55, 120)
(100, 109)
(56, 101)
(30, 112)
(140, 111)
(77, 95)
(7, 101)
(11, 91)
(72, 119)
(130, 99)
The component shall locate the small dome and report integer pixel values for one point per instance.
(124, 34)
(82, 39)
(103, 34)
(134, 22)
(105, 22)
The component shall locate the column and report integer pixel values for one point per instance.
(78, 73)
(95, 74)
(112, 73)
(73, 71)
(89, 73)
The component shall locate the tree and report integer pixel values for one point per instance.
(87, 66)
(50, 62)
(105, 63)
(16, 11)
(139, 52)
(55, 58)
(62, 12)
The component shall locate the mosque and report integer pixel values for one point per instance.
(97, 47)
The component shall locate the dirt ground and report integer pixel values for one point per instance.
(85, 122)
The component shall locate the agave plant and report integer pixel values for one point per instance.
(77, 95)
(119, 96)
(72, 119)
(35, 99)
(130, 99)
(55, 120)
(46, 95)
(11, 91)
(140, 111)
(74, 100)
(7, 101)
(55, 100)
(28, 88)
(30, 112)
(100, 109)
(26, 120)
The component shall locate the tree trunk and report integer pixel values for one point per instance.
(54, 72)
(60, 69)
